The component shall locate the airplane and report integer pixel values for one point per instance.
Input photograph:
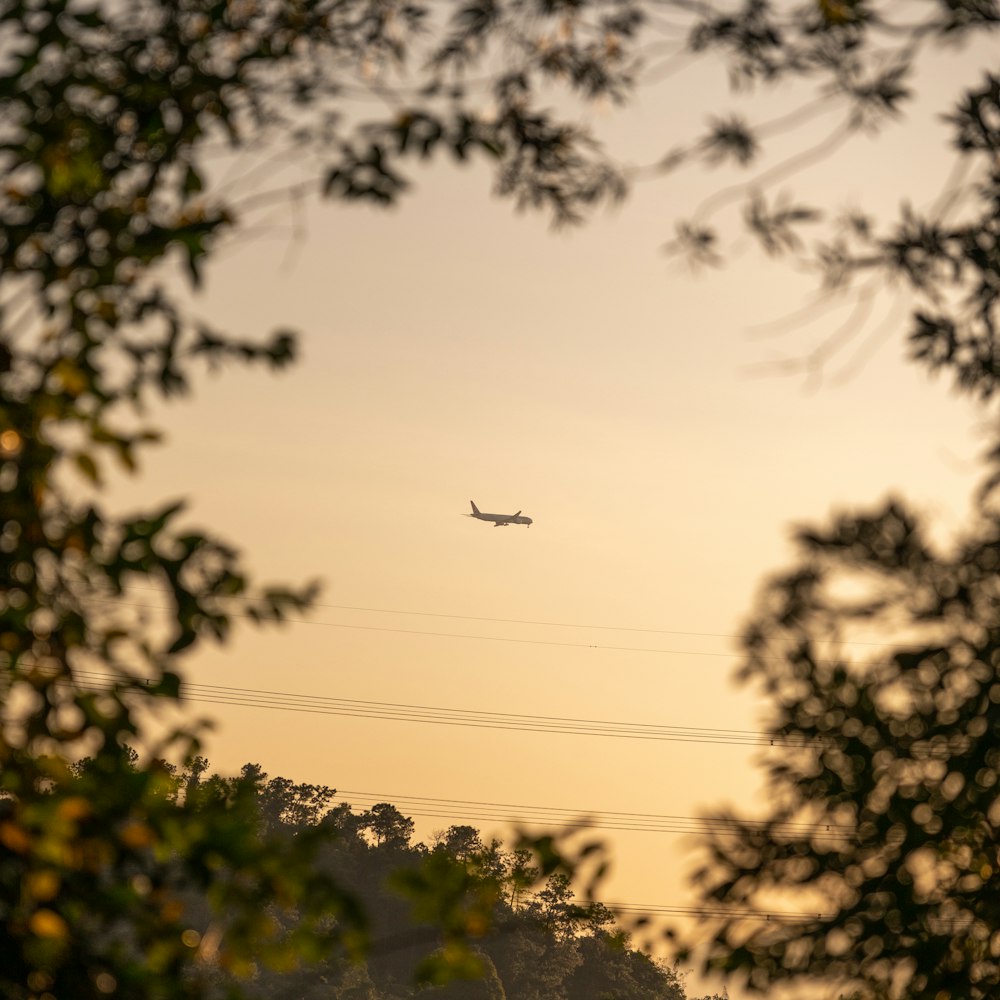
(499, 520)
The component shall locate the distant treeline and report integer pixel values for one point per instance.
(535, 941)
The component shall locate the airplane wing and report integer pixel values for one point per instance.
(512, 516)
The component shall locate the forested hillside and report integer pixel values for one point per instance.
(535, 939)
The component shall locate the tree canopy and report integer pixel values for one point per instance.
(543, 943)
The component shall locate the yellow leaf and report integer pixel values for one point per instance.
(42, 886)
(14, 837)
(75, 808)
(10, 442)
(136, 835)
(48, 924)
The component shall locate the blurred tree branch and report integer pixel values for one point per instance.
(108, 113)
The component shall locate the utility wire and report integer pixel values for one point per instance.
(526, 621)
(480, 638)
(450, 635)
(440, 808)
(932, 924)
(717, 912)
(473, 718)
(546, 624)
(478, 719)
(577, 625)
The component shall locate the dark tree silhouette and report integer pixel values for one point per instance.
(890, 758)
(877, 652)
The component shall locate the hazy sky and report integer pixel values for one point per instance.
(456, 350)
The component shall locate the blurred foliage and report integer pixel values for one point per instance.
(106, 113)
(109, 115)
(877, 654)
(891, 757)
(862, 58)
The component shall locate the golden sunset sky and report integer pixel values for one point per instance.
(453, 349)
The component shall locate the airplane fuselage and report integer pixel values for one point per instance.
(499, 520)
(502, 520)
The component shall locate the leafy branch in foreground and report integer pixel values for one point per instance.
(898, 759)
(106, 112)
(860, 59)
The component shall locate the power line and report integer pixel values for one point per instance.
(545, 624)
(528, 621)
(933, 924)
(716, 912)
(579, 625)
(471, 718)
(598, 820)
(479, 638)
(478, 719)
(505, 621)
(453, 635)
(442, 808)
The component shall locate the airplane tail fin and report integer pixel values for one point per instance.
(475, 509)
